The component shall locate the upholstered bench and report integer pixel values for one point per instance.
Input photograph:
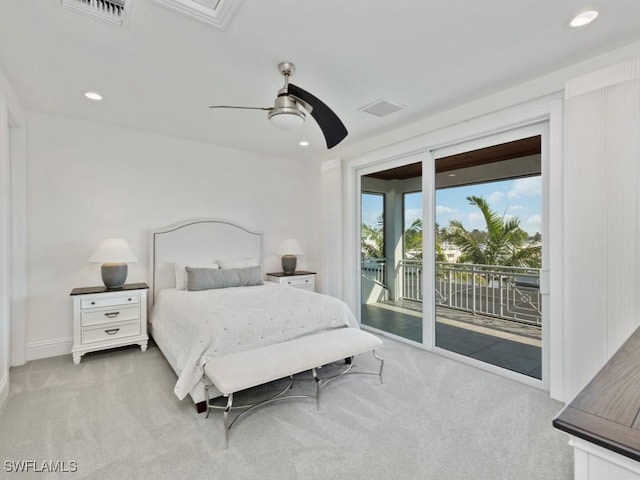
(242, 370)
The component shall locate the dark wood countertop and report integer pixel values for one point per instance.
(124, 288)
(606, 412)
(293, 274)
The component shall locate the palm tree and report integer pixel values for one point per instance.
(505, 243)
(372, 244)
(413, 240)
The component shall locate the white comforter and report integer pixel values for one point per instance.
(199, 325)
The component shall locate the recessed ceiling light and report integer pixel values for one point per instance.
(452, 174)
(584, 18)
(93, 95)
(304, 143)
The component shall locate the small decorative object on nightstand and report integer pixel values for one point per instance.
(105, 318)
(289, 249)
(113, 254)
(299, 279)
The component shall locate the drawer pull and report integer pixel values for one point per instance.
(112, 331)
(111, 314)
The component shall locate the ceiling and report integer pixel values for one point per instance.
(160, 72)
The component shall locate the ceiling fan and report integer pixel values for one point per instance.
(292, 105)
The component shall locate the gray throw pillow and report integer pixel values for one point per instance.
(209, 278)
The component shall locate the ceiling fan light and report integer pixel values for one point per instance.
(286, 119)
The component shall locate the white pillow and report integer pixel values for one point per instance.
(181, 273)
(239, 263)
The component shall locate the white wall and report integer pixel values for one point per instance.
(602, 220)
(88, 182)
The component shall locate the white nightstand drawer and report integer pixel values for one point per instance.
(304, 280)
(299, 282)
(109, 301)
(107, 315)
(110, 332)
(104, 318)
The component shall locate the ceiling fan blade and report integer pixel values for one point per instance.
(333, 129)
(243, 108)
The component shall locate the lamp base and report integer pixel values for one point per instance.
(114, 274)
(289, 263)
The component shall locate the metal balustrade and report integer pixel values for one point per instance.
(373, 268)
(510, 293)
(409, 280)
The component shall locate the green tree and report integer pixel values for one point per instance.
(413, 240)
(440, 236)
(503, 243)
(372, 239)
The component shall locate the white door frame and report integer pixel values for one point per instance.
(13, 236)
(18, 241)
(360, 172)
(547, 110)
(540, 128)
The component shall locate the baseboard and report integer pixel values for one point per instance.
(4, 389)
(49, 348)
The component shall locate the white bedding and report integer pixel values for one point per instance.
(195, 326)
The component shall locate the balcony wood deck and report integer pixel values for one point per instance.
(509, 345)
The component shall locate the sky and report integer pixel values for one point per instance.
(513, 198)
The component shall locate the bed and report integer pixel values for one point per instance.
(191, 327)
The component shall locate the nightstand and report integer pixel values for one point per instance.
(107, 318)
(298, 279)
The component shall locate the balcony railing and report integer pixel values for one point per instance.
(409, 280)
(373, 268)
(510, 293)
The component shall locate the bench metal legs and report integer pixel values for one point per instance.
(226, 419)
(349, 370)
(375, 354)
(319, 384)
(318, 387)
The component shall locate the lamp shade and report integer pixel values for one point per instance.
(287, 120)
(113, 250)
(290, 247)
(286, 114)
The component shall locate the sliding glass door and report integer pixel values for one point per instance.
(391, 251)
(488, 251)
(454, 250)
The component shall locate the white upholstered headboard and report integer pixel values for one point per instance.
(198, 242)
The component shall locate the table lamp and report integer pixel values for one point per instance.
(289, 249)
(113, 254)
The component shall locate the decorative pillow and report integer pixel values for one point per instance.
(209, 278)
(239, 263)
(181, 273)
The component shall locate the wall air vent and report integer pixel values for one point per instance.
(110, 12)
(214, 12)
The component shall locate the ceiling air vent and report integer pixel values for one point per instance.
(382, 108)
(214, 12)
(110, 12)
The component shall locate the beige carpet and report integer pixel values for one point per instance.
(116, 417)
